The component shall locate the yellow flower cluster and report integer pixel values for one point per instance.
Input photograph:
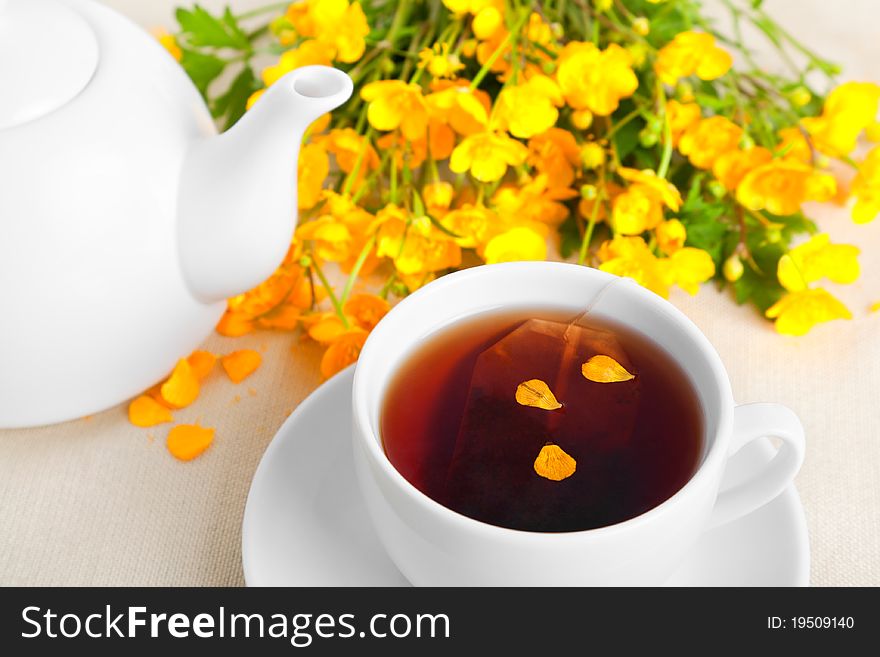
(492, 132)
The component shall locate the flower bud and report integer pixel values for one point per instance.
(800, 96)
(716, 189)
(602, 5)
(685, 91)
(592, 155)
(641, 26)
(733, 268)
(773, 235)
(648, 138)
(639, 52)
(589, 192)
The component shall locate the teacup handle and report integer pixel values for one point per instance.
(750, 422)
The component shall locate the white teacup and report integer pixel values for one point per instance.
(435, 546)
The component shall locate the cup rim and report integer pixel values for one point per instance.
(371, 443)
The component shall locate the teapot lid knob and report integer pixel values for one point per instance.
(48, 54)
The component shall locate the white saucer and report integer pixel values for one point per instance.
(305, 524)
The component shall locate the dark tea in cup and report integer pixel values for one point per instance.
(540, 421)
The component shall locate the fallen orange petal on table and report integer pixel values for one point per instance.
(182, 387)
(343, 352)
(187, 441)
(201, 362)
(144, 411)
(239, 365)
(234, 325)
(326, 329)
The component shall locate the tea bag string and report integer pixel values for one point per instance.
(569, 357)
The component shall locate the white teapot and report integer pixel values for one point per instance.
(125, 220)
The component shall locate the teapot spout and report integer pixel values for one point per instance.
(237, 205)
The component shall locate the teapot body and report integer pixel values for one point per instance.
(94, 307)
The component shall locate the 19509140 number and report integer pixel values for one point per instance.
(811, 623)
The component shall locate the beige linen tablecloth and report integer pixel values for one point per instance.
(98, 501)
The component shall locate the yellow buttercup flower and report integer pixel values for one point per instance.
(705, 141)
(488, 19)
(337, 24)
(312, 170)
(593, 79)
(346, 146)
(793, 144)
(692, 53)
(781, 185)
(340, 230)
(528, 109)
(688, 267)
(636, 210)
(332, 239)
(661, 188)
(472, 224)
(414, 245)
(848, 110)
(798, 312)
(533, 201)
(640, 207)
(466, 111)
(731, 167)
(437, 197)
(395, 104)
(817, 259)
(309, 53)
(518, 243)
(866, 188)
(556, 153)
(681, 116)
(630, 257)
(439, 62)
(671, 236)
(487, 155)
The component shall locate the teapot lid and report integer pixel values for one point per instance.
(48, 54)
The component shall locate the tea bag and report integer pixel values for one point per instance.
(491, 474)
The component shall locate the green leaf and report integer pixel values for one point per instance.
(202, 29)
(627, 138)
(761, 287)
(202, 68)
(231, 105)
(569, 237)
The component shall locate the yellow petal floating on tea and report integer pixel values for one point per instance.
(538, 394)
(554, 464)
(604, 369)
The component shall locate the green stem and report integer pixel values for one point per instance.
(349, 180)
(333, 299)
(484, 71)
(591, 226)
(359, 263)
(666, 157)
(265, 9)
